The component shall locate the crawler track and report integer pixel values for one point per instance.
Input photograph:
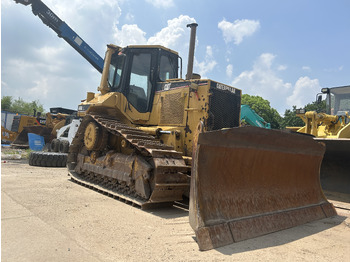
(168, 180)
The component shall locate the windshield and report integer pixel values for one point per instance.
(168, 67)
(115, 71)
(339, 101)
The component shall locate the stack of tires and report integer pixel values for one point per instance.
(61, 146)
(56, 158)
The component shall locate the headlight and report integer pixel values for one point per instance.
(325, 90)
(300, 111)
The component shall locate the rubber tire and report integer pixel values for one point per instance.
(47, 159)
(55, 145)
(64, 146)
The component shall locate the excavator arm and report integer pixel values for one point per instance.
(253, 118)
(50, 19)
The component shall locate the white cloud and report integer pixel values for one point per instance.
(306, 68)
(229, 70)
(282, 68)
(304, 89)
(262, 80)
(129, 17)
(5, 3)
(334, 69)
(207, 65)
(41, 87)
(175, 34)
(161, 3)
(239, 29)
(129, 35)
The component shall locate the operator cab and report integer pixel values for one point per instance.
(135, 71)
(338, 100)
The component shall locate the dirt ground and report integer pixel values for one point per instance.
(46, 217)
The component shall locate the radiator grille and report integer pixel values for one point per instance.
(15, 123)
(172, 109)
(224, 109)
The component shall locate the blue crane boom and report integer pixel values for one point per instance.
(50, 19)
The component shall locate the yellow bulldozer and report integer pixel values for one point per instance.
(333, 129)
(150, 137)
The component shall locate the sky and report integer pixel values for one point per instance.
(283, 51)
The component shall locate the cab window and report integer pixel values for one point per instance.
(115, 71)
(167, 68)
(140, 88)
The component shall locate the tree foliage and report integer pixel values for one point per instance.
(262, 108)
(19, 106)
(291, 119)
(6, 103)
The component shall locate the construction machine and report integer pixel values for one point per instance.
(44, 126)
(64, 136)
(333, 129)
(24, 124)
(149, 135)
(252, 118)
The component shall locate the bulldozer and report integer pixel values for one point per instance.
(151, 138)
(333, 129)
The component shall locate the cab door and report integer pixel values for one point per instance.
(140, 85)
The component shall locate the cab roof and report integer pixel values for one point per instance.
(153, 47)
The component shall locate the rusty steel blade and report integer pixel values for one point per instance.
(250, 181)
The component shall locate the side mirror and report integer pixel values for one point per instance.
(319, 98)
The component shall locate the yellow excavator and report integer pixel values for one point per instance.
(333, 129)
(150, 138)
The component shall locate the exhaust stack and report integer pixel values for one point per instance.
(193, 27)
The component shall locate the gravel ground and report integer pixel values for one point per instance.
(46, 217)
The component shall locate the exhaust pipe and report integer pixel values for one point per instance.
(193, 27)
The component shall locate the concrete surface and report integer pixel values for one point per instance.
(46, 217)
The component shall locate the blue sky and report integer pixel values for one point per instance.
(284, 51)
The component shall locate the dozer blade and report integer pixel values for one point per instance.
(251, 181)
(22, 138)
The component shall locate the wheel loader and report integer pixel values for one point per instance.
(333, 129)
(149, 137)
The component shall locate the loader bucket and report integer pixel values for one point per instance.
(22, 138)
(251, 181)
(335, 168)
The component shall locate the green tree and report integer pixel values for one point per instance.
(291, 119)
(20, 106)
(319, 107)
(6, 103)
(262, 108)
